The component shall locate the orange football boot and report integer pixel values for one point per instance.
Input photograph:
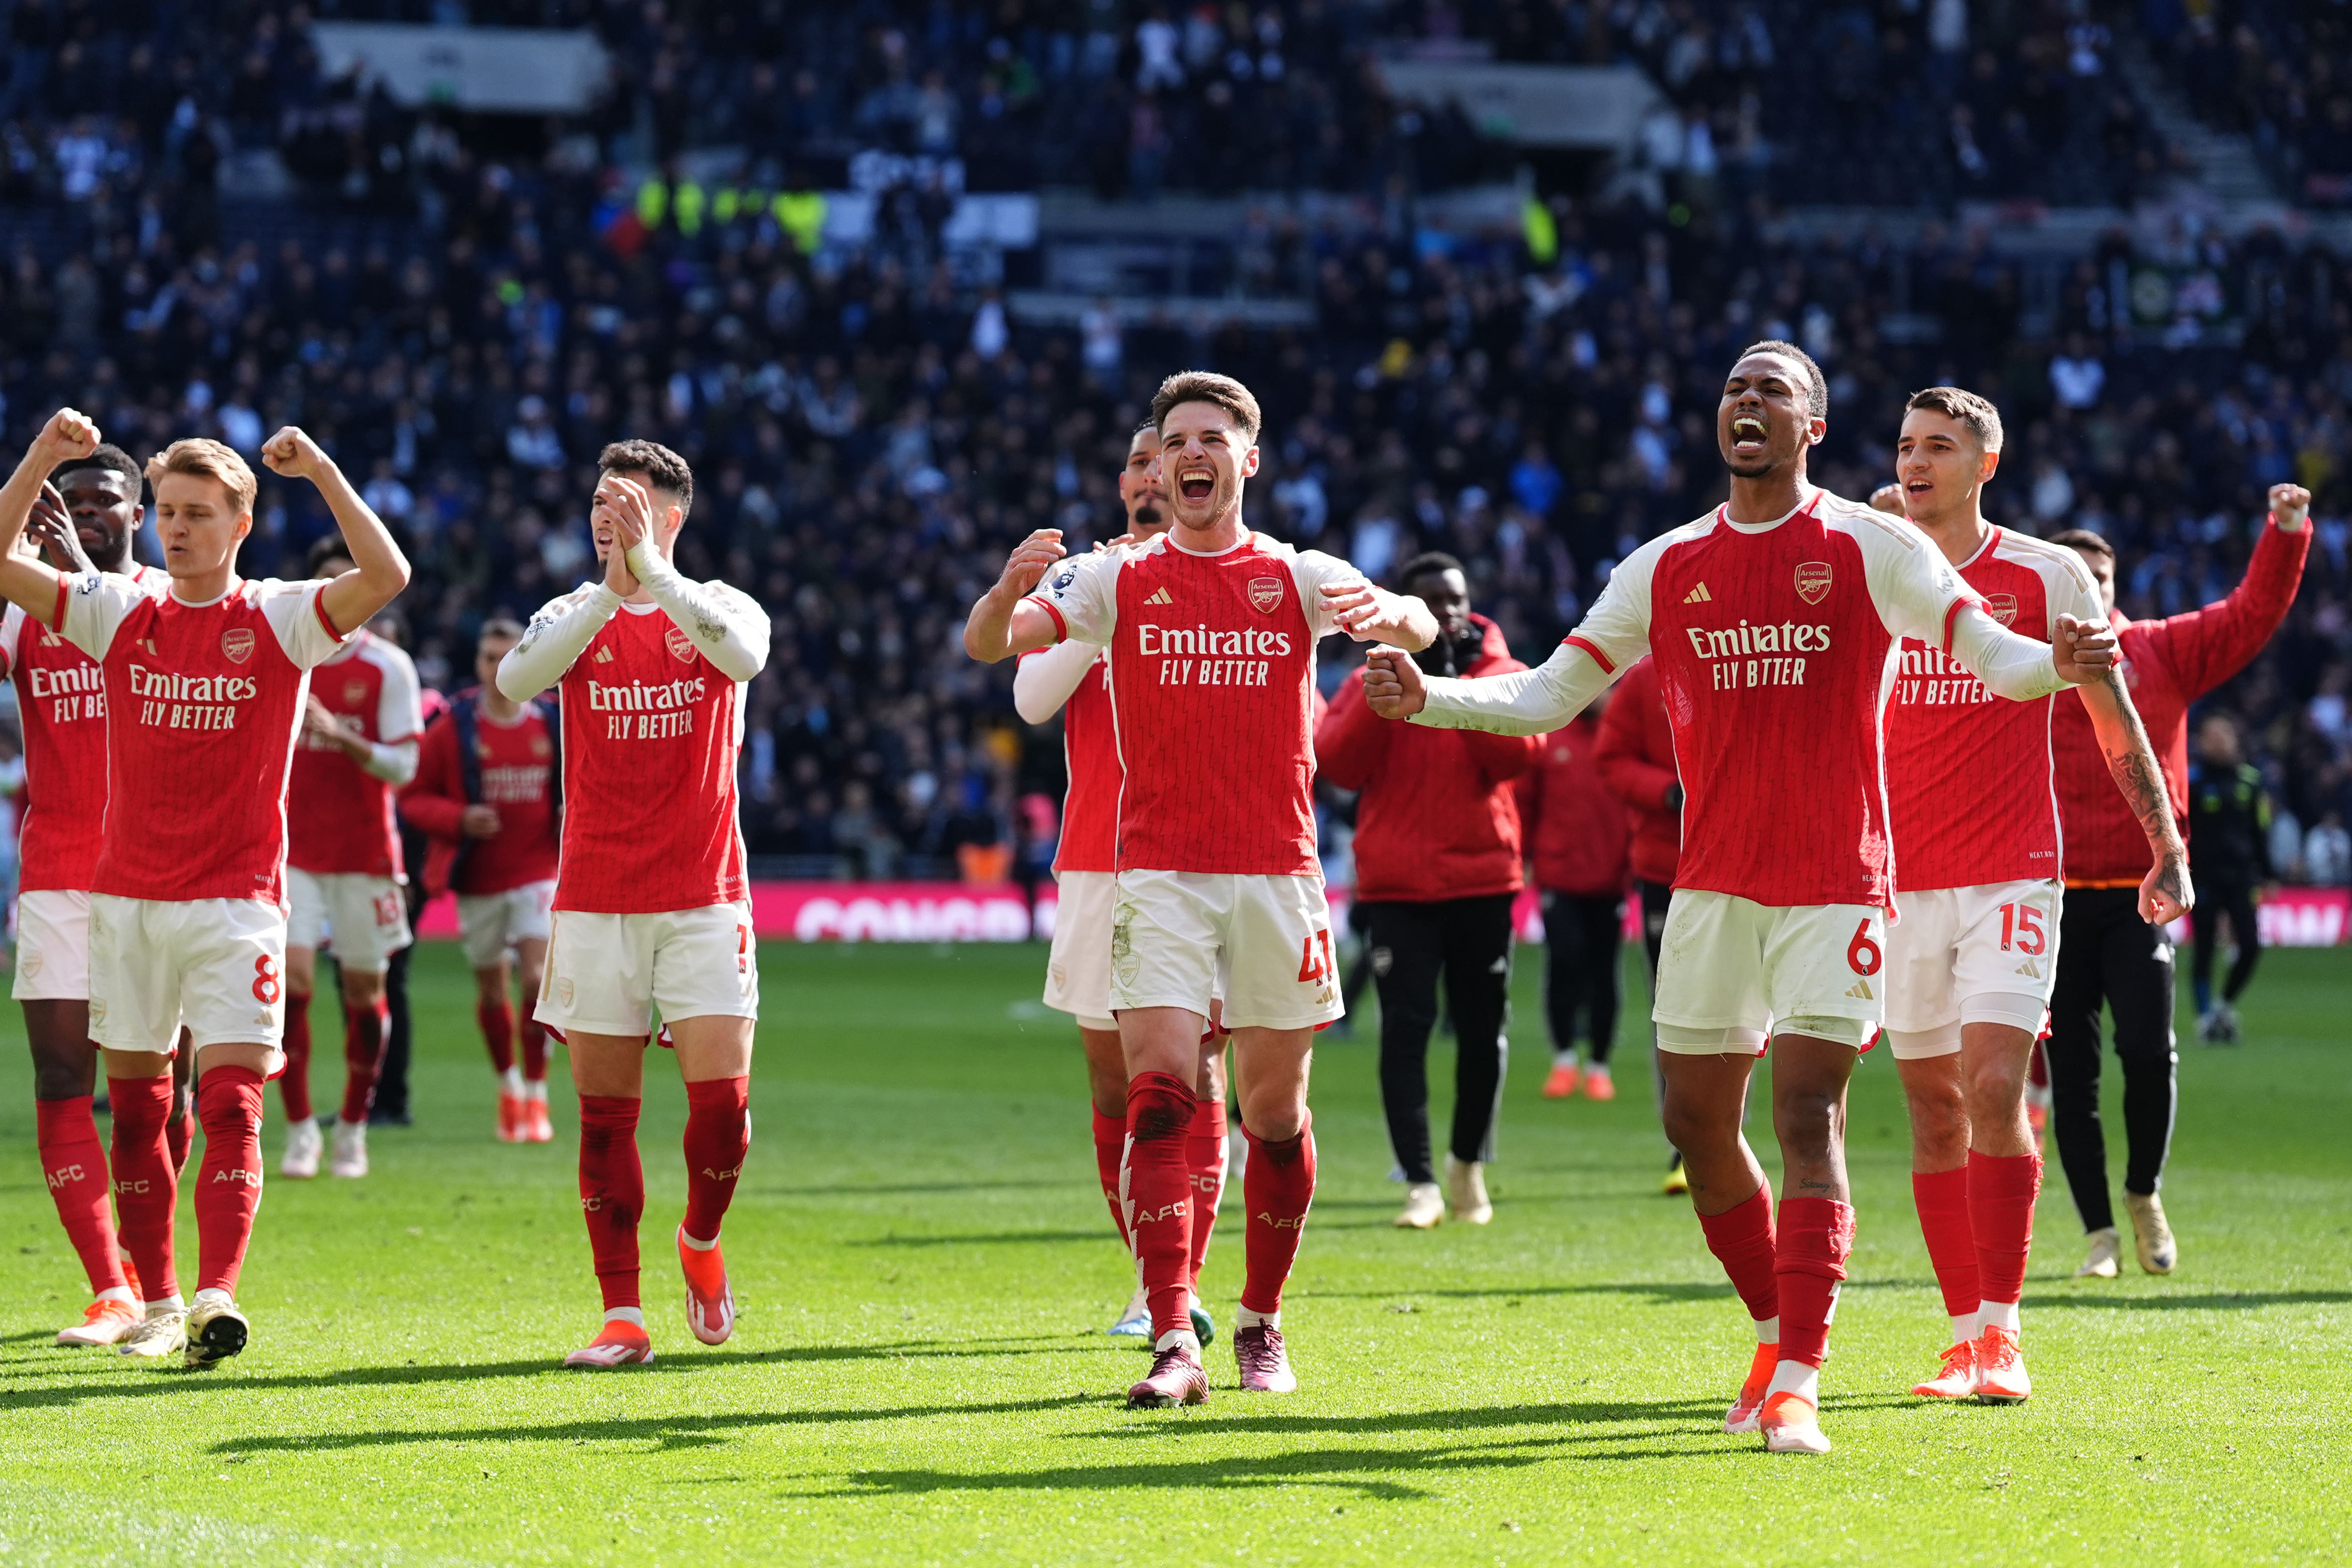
(2000, 1369)
(1791, 1425)
(1956, 1379)
(1740, 1419)
(1562, 1082)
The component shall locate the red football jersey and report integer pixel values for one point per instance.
(61, 708)
(339, 816)
(202, 701)
(651, 731)
(1090, 750)
(1774, 645)
(518, 771)
(1968, 774)
(1211, 687)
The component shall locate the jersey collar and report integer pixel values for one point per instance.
(1805, 507)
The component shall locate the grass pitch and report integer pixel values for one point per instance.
(925, 1268)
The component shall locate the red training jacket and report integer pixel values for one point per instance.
(1578, 834)
(1636, 758)
(1436, 819)
(2167, 665)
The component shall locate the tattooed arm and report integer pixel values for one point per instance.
(2166, 895)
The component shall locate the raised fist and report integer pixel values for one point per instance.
(69, 435)
(2290, 503)
(292, 452)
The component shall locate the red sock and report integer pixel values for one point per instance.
(146, 1184)
(294, 1083)
(1277, 1186)
(1741, 1240)
(1110, 1151)
(612, 1193)
(75, 1164)
(1816, 1236)
(364, 1035)
(228, 1183)
(1159, 1108)
(718, 1136)
(498, 1022)
(180, 1135)
(1942, 1199)
(2001, 1190)
(1204, 1152)
(534, 1049)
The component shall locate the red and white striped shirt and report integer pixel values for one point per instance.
(339, 815)
(203, 701)
(61, 708)
(1969, 775)
(1212, 678)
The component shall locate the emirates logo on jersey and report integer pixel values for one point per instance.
(2003, 607)
(1812, 580)
(1266, 593)
(681, 645)
(237, 644)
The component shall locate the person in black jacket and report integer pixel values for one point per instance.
(2229, 856)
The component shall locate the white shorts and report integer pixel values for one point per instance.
(607, 973)
(1969, 955)
(1077, 969)
(364, 918)
(1732, 972)
(1174, 934)
(490, 924)
(216, 965)
(52, 946)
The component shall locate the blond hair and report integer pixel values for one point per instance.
(1983, 420)
(208, 460)
(1207, 386)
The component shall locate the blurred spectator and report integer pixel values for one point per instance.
(1578, 840)
(2230, 816)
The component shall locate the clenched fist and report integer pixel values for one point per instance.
(292, 454)
(2290, 503)
(69, 437)
(1392, 683)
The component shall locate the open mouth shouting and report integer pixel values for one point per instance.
(1748, 437)
(1196, 484)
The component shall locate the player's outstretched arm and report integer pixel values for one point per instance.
(2022, 668)
(379, 571)
(1003, 622)
(556, 636)
(2166, 895)
(1526, 702)
(1372, 614)
(27, 580)
(1041, 684)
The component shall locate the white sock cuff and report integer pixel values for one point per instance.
(1964, 1327)
(1768, 1329)
(1245, 1319)
(118, 1294)
(1997, 1315)
(1795, 1378)
(1174, 1337)
(625, 1315)
(698, 1246)
(171, 1303)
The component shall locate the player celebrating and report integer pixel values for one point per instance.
(1073, 678)
(204, 689)
(651, 905)
(1211, 629)
(1774, 622)
(84, 522)
(1972, 953)
(485, 791)
(343, 870)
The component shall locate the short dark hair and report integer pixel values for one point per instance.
(109, 458)
(500, 625)
(1207, 386)
(1817, 388)
(663, 469)
(2086, 541)
(1424, 563)
(1978, 414)
(323, 550)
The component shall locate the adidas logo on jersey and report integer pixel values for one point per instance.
(1162, 597)
(1860, 991)
(1698, 595)
(604, 655)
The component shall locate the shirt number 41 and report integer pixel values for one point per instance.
(1316, 964)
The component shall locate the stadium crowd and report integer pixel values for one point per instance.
(872, 427)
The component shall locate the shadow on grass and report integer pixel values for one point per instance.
(665, 1432)
(919, 1188)
(131, 1382)
(2092, 1295)
(1655, 1290)
(988, 1239)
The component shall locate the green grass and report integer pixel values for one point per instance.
(919, 1376)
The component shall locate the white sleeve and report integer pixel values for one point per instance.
(293, 612)
(2018, 668)
(2071, 592)
(1046, 679)
(1081, 594)
(12, 625)
(1914, 588)
(400, 707)
(555, 637)
(1524, 702)
(1313, 570)
(91, 606)
(726, 623)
